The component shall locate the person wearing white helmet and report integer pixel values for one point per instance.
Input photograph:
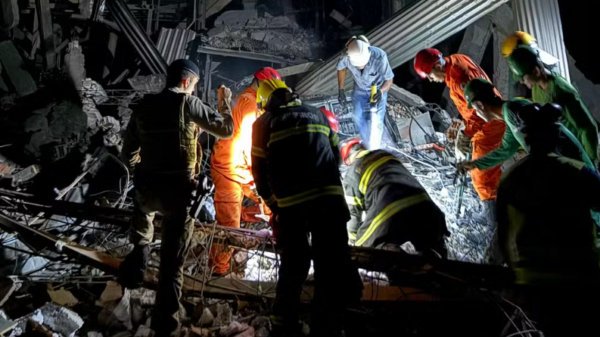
(370, 67)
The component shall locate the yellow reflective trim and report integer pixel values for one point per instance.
(335, 139)
(389, 211)
(258, 152)
(271, 200)
(279, 135)
(353, 201)
(352, 236)
(309, 195)
(364, 181)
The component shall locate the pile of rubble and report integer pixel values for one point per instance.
(246, 30)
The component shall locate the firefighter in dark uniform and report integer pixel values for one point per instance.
(397, 207)
(295, 164)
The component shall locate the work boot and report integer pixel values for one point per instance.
(133, 268)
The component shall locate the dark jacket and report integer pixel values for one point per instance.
(397, 207)
(545, 228)
(164, 129)
(295, 161)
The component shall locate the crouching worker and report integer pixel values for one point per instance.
(397, 207)
(295, 164)
(546, 230)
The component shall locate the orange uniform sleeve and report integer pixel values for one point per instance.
(463, 70)
(247, 116)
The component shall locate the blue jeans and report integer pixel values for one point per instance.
(369, 125)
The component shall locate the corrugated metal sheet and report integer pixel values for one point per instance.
(173, 43)
(541, 19)
(421, 25)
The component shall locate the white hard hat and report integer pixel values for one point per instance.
(360, 56)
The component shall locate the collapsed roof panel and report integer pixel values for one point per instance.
(421, 25)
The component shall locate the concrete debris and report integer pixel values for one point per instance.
(37, 122)
(112, 292)
(117, 315)
(21, 81)
(94, 334)
(207, 318)
(201, 331)
(237, 329)
(144, 331)
(5, 323)
(224, 315)
(150, 83)
(25, 175)
(75, 64)
(58, 319)
(146, 297)
(93, 90)
(262, 326)
(63, 297)
(125, 116)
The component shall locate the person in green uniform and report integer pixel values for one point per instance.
(481, 96)
(549, 87)
(546, 231)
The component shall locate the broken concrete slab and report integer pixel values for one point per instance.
(75, 64)
(12, 63)
(59, 319)
(224, 315)
(63, 297)
(146, 297)
(112, 292)
(25, 175)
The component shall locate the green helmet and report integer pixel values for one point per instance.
(478, 90)
(522, 61)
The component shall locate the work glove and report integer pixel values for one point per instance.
(378, 96)
(342, 99)
(462, 146)
(465, 166)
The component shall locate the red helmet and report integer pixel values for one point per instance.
(267, 73)
(425, 60)
(346, 149)
(333, 122)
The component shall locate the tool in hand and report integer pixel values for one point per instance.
(261, 206)
(202, 192)
(374, 101)
(461, 187)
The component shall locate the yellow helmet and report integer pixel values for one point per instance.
(512, 41)
(266, 88)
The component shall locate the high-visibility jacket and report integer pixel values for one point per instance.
(295, 161)
(577, 118)
(232, 157)
(164, 129)
(545, 228)
(485, 137)
(397, 207)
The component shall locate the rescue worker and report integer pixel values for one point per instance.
(397, 207)
(521, 38)
(163, 132)
(231, 168)
(482, 96)
(457, 71)
(369, 67)
(295, 164)
(549, 87)
(547, 233)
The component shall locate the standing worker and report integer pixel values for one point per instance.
(231, 167)
(163, 132)
(547, 233)
(373, 78)
(397, 207)
(295, 164)
(549, 87)
(457, 71)
(482, 96)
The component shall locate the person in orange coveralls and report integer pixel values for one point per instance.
(457, 71)
(231, 167)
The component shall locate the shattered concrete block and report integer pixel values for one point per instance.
(259, 35)
(206, 318)
(94, 90)
(75, 64)
(144, 331)
(117, 316)
(112, 292)
(59, 319)
(13, 64)
(224, 315)
(150, 83)
(63, 297)
(146, 297)
(25, 175)
(237, 329)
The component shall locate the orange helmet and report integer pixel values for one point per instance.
(333, 122)
(347, 147)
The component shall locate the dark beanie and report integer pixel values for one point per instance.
(179, 66)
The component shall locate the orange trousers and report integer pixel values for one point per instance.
(485, 141)
(229, 195)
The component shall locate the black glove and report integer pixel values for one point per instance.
(342, 99)
(378, 96)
